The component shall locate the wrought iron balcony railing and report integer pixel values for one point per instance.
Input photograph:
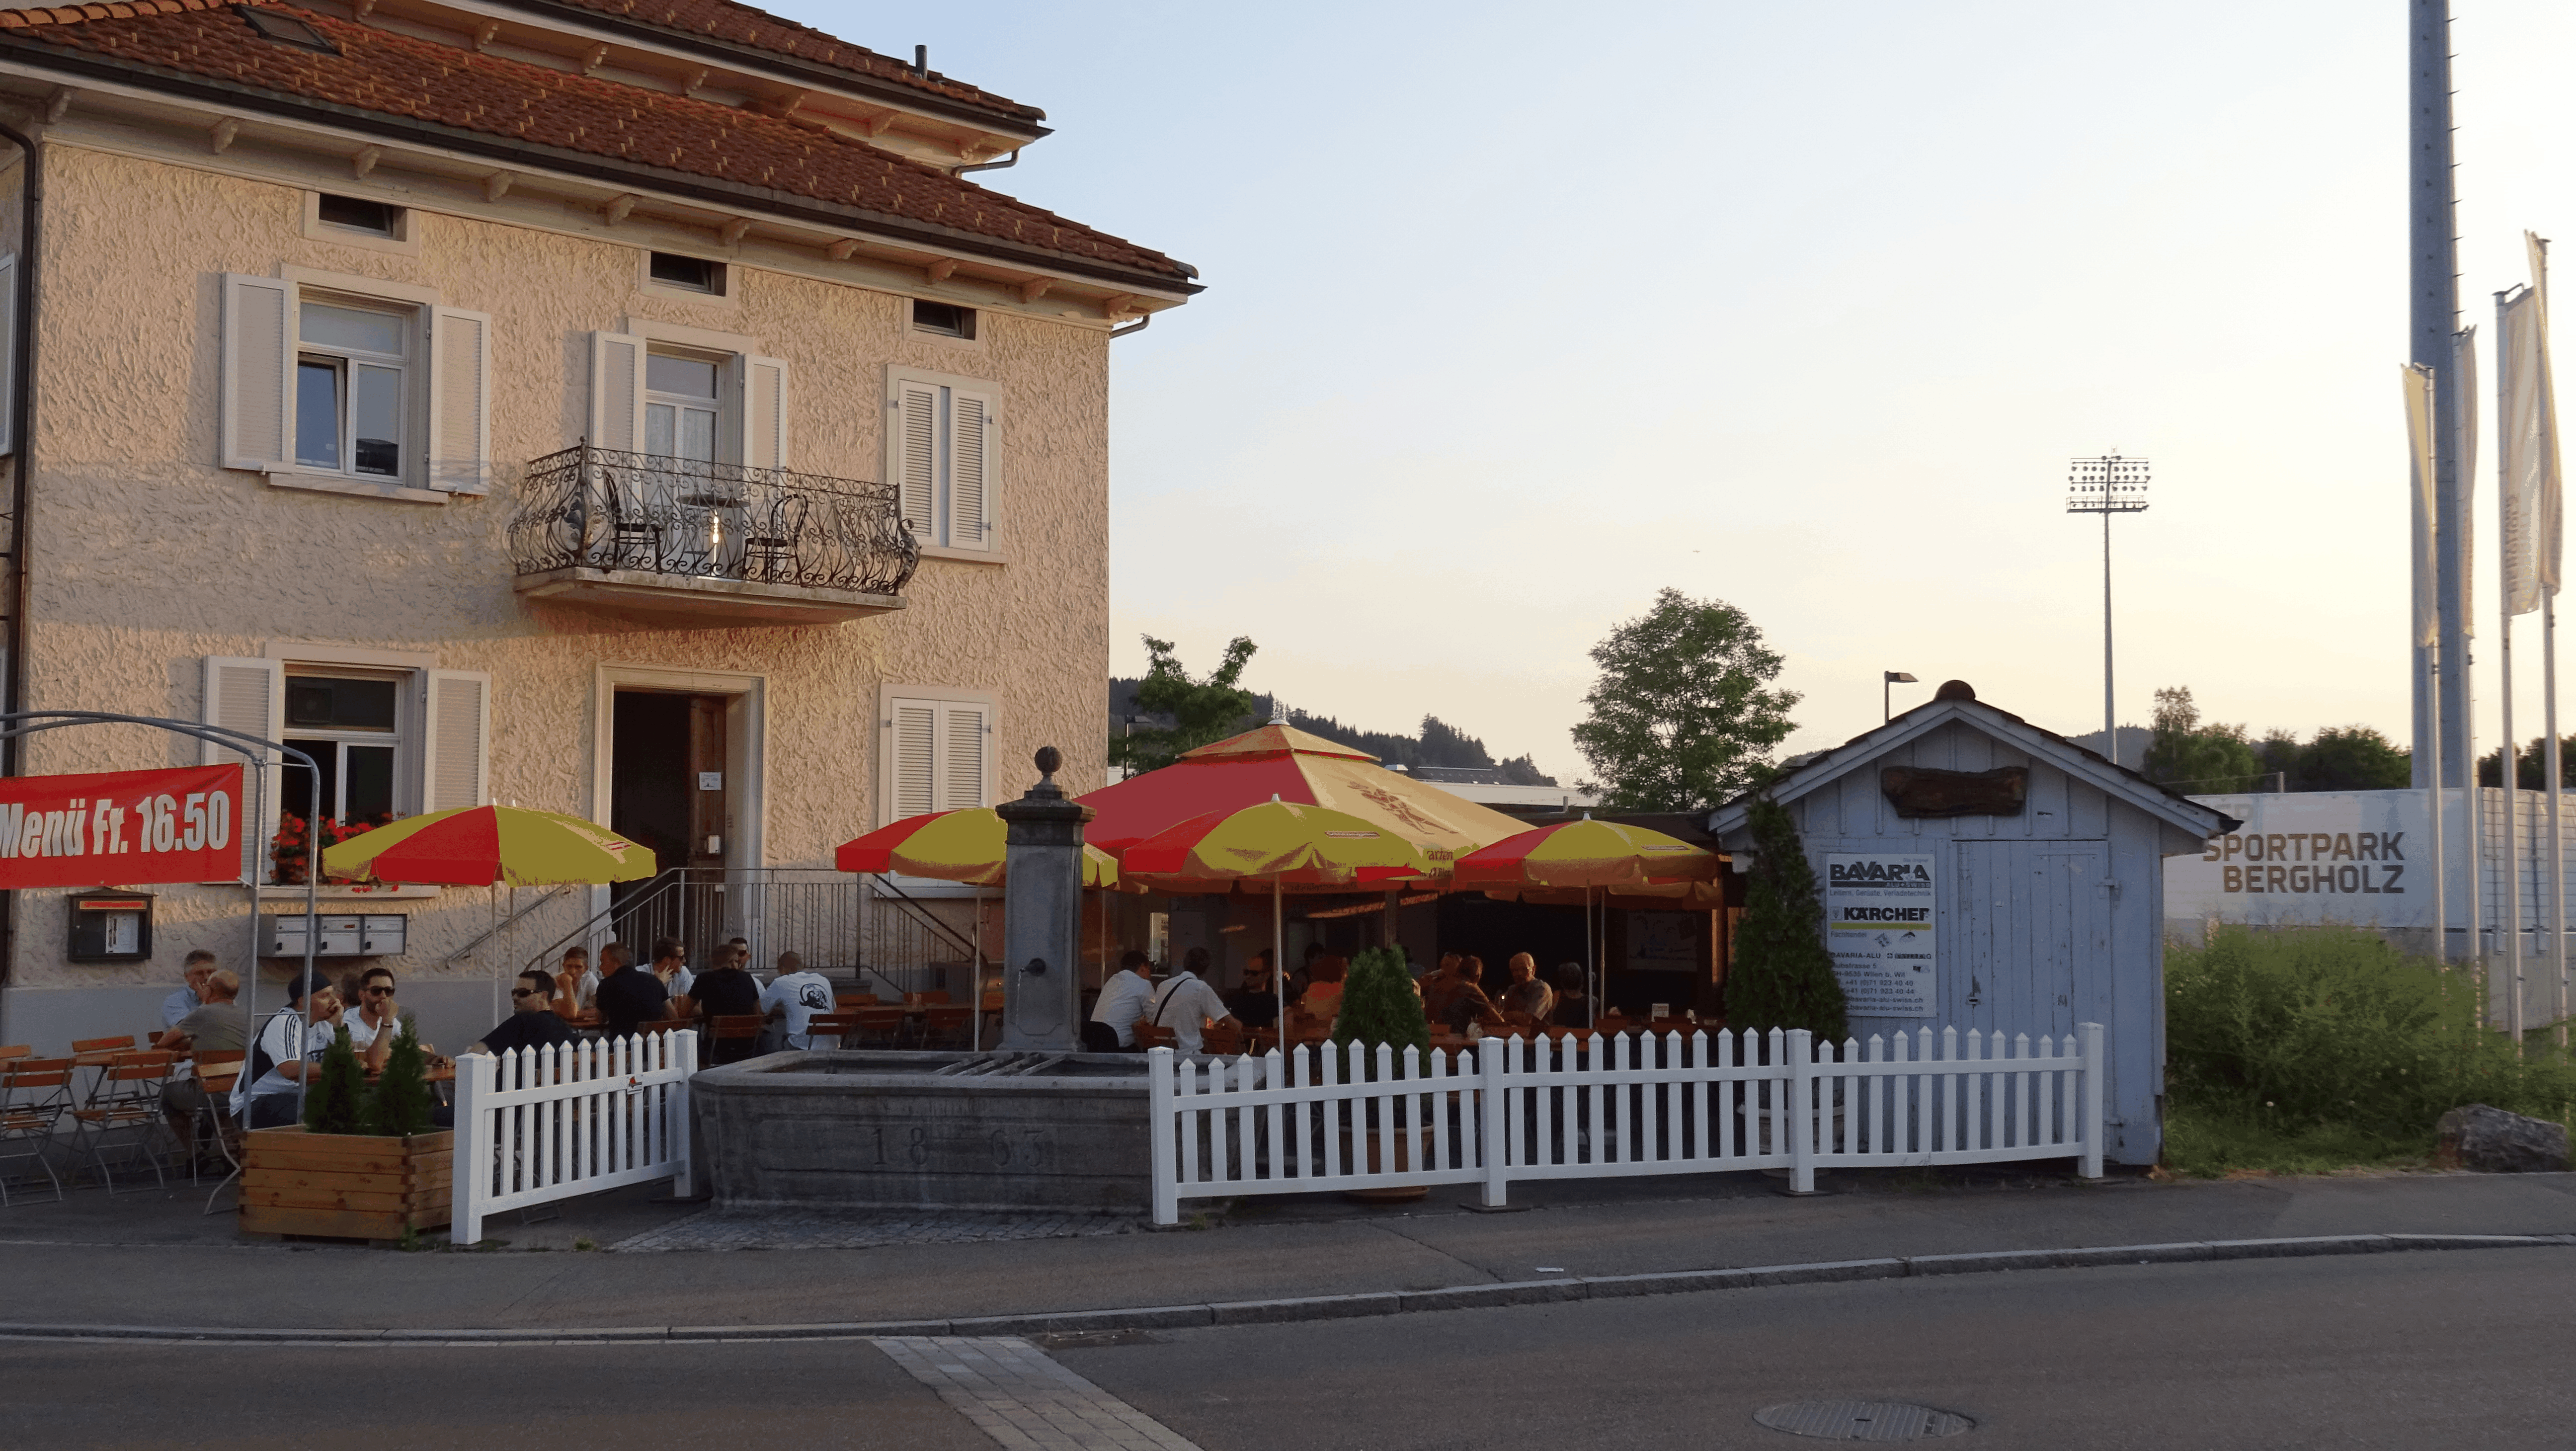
(590, 508)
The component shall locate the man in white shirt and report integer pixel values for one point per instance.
(200, 966)
(1186, 1005)
(377, 1020)
(312, 1014)
(1127, 996)
(793, 998)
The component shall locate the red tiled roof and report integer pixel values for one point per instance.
(422, 81)
(743, 25)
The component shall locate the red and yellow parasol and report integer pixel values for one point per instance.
(954, 846)
(1552, 863)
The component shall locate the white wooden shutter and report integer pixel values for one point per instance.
(913, 455)
(970, 469)
(8, 354)
(764, 413)
(249, 696)
(455, 739)
(913, 746)
(258, 373)
(961, 755)
(617, 391)
(460, 401)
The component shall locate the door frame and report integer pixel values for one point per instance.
(746, 749)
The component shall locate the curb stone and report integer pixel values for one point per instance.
(1344, 1307)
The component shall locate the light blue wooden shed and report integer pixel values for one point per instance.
(2047, 880)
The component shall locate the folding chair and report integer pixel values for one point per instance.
(83, 1047)
(16, 1050)
(875, 1028)
(216, 1075)
(1154, 1035)
(846, 1001)
(945, 1026)
(835, 1026)
(125, 1104)
(1222, 1040)
(35, 1093)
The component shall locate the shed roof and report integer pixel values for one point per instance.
(1823, 767)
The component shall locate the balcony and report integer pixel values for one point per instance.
(691, 543)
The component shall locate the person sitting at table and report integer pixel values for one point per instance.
(791, 1000)
(532, 1023)
(188, 999)
(728, 988)
(629, 995)
(290, 1046)
(217, 1026)
(377, 1020)
(1527, 994)
(576, 986)
(1324, 986)
(1123, 999)
(1437, 988)
(671, 965)
(1573, 1008)
(1467, 1001)
(1256, 1003)
(1186, 1004)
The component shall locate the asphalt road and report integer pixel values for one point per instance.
(2409, 1350)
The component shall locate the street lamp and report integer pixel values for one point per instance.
(1886, 678)
(2106, 486)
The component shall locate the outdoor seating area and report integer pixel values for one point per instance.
(113, 1114)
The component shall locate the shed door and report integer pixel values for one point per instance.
(2031, 916)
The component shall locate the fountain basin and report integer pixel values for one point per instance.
(834, 1129)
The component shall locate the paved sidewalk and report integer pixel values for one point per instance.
(67, 1265)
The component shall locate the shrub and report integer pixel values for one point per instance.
(1379, 1005)
(1782, 976)
(401, 1104)
(2333, 1028)
(331, 1102)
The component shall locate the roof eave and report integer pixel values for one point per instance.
(14, 46)
(1011, 119)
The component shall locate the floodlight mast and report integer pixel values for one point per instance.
(2106, 486)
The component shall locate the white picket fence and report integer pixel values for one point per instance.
(539, 1124)
(1606, 1105)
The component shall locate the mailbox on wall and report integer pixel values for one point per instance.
(379, 934)
(110, 926)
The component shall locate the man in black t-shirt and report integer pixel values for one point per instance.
(532, 1022)
(728, 988)
(630, 995)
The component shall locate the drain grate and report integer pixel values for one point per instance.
(1862, 1420)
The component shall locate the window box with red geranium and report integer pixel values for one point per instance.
(291, 850)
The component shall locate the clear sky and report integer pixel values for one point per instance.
(1516, 313)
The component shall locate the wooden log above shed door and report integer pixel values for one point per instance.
(2032, 936)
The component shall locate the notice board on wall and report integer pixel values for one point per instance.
(1880, 922)
(122, 828)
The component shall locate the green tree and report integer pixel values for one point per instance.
(1681, 716)
(1782, 975)
(2202, 760)
(2359, 758)
(331, 1101)
(1379, 1005)
(1201, 711)
(400, 1103)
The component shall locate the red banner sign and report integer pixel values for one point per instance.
(122, 828)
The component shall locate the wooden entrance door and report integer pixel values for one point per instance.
(710, 790)
(2032, 917)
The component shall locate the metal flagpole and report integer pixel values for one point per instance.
(2507, 776)
(2439, 817)
(2550, 766)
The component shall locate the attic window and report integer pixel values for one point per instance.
(945, 318)
(697, 274)
(287, 30)
(359, 215)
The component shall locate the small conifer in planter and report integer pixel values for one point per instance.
(1379, 1005)
(401, 1104)
(332, 1105)
(1782, 975)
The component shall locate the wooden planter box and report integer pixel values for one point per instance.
(345, 1186)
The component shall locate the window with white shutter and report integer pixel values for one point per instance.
(456, 736)
(259, 365)
(249, 696)
(764, 413)
(460, 401)
(936, 753)
(617, 391)
(940, 451)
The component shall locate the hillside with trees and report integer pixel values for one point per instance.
(2206, 758)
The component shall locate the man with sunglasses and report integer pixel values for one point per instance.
(532, 1022)
(377, 1020)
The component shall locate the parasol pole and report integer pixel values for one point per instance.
(1279, 958)
(975, 991)
(1591, 989)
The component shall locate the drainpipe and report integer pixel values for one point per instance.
(22, 431)
(1006, 162)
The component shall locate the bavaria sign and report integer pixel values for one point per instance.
(122, 828)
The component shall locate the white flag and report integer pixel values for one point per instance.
(2530, 483)
(2549, 531)
(2419, 457)
(2464, 466)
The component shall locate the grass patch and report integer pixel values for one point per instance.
(2323, 1049)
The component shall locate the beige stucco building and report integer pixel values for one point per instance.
(628, 411)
